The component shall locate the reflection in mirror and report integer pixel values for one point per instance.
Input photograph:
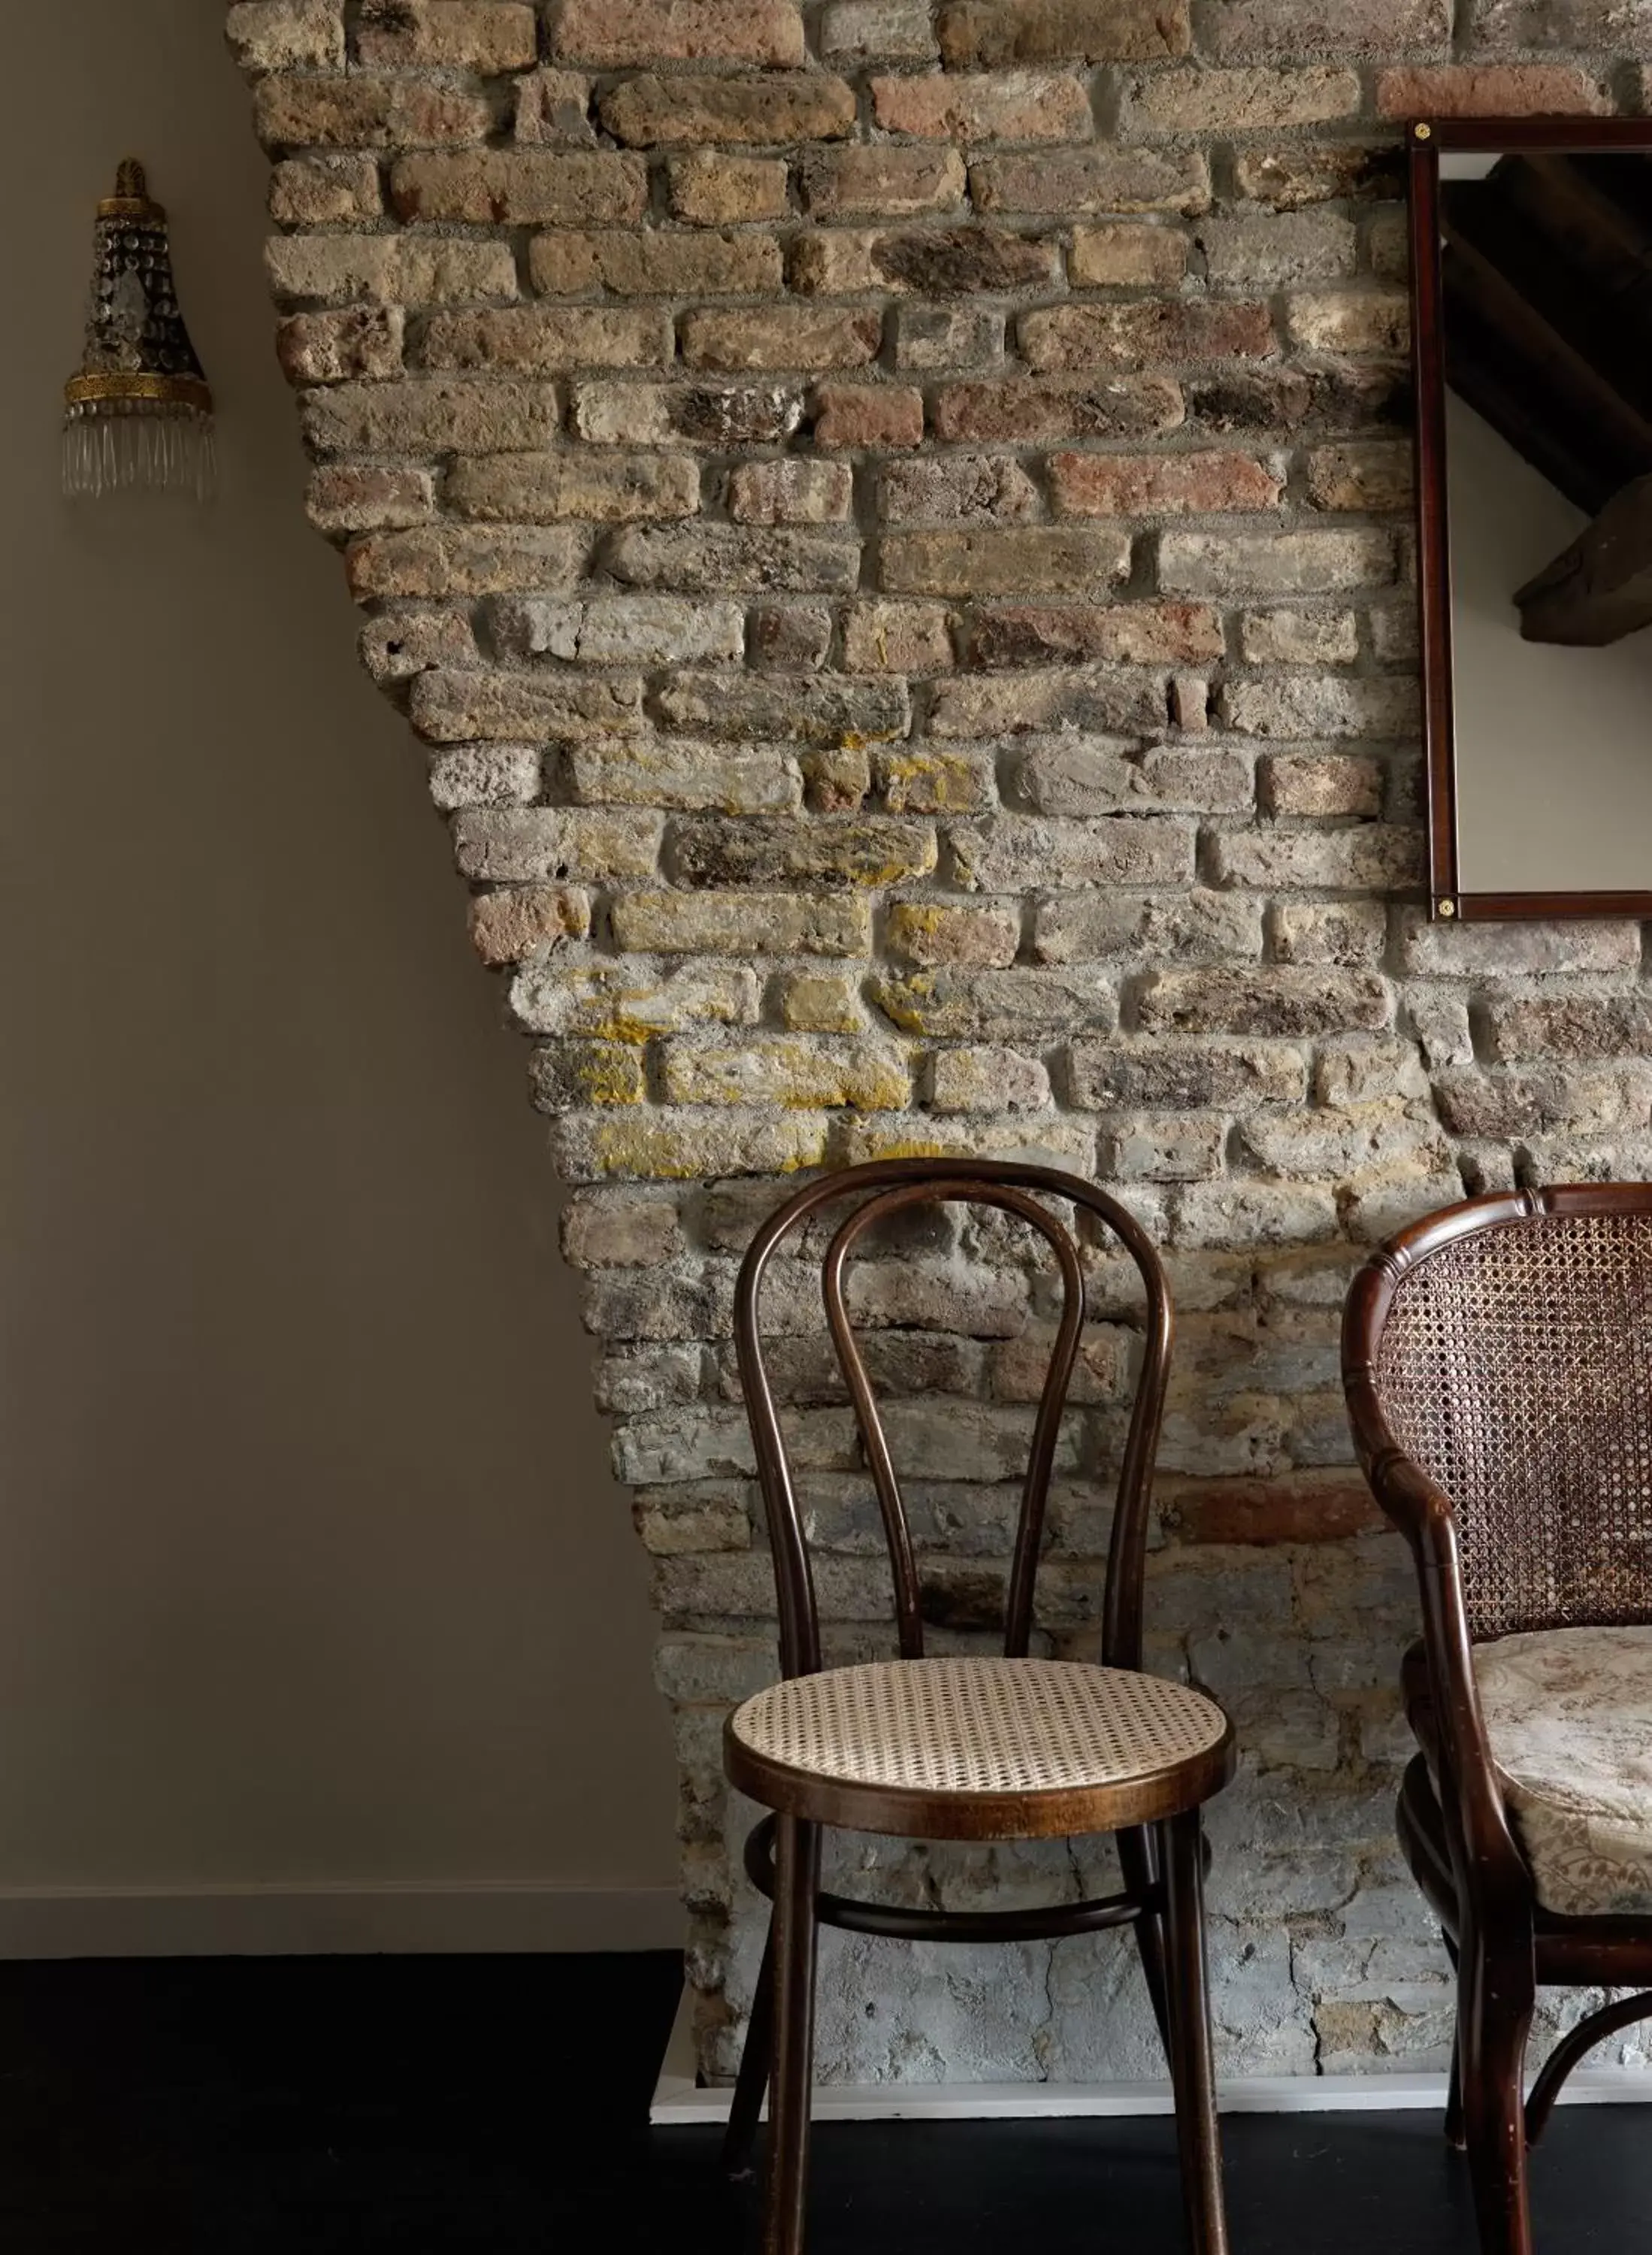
(1546, 297)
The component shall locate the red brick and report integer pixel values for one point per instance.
(1076, 634)
(997, 31)
(619, 34)
(479, 35)
(848, 415)
(1160, 485)
(1309, 1508)
(881, 182)
(1107, 407)
(365, 113)
(1002, 106)
(1490, 90)
(520, 187)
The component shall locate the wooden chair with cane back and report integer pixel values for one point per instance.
(965, 1748)
(1498, 1364)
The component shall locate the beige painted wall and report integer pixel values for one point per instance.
(311, 1568)
(1554, 746)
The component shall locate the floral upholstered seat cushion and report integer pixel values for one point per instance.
(1569, 1715)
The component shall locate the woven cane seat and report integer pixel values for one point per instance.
(965, 1748)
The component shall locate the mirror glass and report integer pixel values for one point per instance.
(1546, 319)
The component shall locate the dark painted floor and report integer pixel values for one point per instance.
(250, 2106)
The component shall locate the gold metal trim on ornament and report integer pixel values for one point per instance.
(114, 384)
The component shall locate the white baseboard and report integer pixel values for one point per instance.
(276, 1922)
(679, 2102)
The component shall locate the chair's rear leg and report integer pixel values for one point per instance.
(797, 1885)
(751, 2086)
(1139, 1868)
(1198, 2136)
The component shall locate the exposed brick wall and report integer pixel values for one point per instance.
(892, 526)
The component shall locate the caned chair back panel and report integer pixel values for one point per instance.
(874, 1194)
(1514, 1366)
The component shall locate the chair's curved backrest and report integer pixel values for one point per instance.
(1505, 1348)
(875, 1193)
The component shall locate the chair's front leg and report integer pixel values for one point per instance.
(756, 2061)
(1494, 2014)
(1181, 1860)
(796, 1884)
(1136, 1866)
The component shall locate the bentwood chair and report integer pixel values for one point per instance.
(964, 1748)
(1497, 1363)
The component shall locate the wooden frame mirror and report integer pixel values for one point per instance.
(1531, 284)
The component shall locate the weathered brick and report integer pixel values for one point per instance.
(997, 106)
(397, 644)
(1228, 1075)
(1245, 563)
(1348, 30)
(1162, 1147)
(791, 490)
(505, 926)
(628, 1001)
(653, 264)
(1315, 634)
(452, 708)
(1459, 951)
(849, 415)
(1349, 320)
(692, 778)
(782, 336)
(479, 35)
(1320, 705)
(742, 923)
(367, 113)
(1311, 1506)
(896, 637)
(603, 1231)
(928, 934)
(941, 489)
(1221, 101)
(1287, 1002)
(794, 1070)
(618, 630)
(1132, 254)
(787, 637)
(1357, 475)
(1161, 485)
(1490, 90)
(1157, 331)
(720, 415)
(547, 339)
(542, 488)
(1111, 407)
(484, 774)
(324, 191)
(821, 1003)
(666, 1146)
(937, 262)
(646, 112)
(1070, 774)
(1132, 634)
(350, 497)
(1309, 783)
(441, 562)
(998, 1006)
(929, 779)
(867, 850)
(1371, 859)
(999, 31)
(1309, 173)
(734, 560)
(874, 31)
(710, 189)
(881, 182)
(988, 1079)
(1012, 560)
(1193, 925)
(617, 34)
(428, 417)
(1567, 1026)
(273, 35)
(1064, 181)
(553, 110)
(1106, 698)
(339, 347)
(816, 709)
(1252, 1214)
(1347, 934)
(534, 844)
(1274, 250)
(1007, 853)
(520, 187)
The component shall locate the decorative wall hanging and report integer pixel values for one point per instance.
(139, 412)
